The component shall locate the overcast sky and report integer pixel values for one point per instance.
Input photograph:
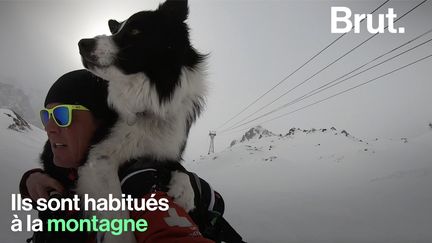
(252, 46)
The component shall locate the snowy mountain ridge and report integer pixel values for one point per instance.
(16, 122)
(325, 186)
(259, 132)
(15, 99)
(19, 139)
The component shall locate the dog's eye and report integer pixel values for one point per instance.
(135, 32)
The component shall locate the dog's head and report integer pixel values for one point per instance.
(155, 43)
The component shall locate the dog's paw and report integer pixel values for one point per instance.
(181, 190)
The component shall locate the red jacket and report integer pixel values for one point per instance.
(172, 226)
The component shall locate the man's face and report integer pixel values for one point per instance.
(70, 144)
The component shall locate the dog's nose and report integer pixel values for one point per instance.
(86, 45)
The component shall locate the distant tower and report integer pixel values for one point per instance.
(212, 134)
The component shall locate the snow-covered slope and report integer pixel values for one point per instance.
(20, 145)
(13, 98)
(325, 185)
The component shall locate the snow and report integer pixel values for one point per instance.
(18, 153)
(14, 98)
(309, 186)
(325, 187)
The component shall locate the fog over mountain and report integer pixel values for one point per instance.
(14, 98)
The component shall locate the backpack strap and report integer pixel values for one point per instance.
(228, 233)
(199, 215)
(209, 212)
(141, 176)
(140, 182)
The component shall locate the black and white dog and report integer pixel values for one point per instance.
(156, 85)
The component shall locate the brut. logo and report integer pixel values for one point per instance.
(374, 24)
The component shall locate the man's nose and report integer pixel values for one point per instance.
(51, 126)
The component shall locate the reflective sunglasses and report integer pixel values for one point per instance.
(61, 114)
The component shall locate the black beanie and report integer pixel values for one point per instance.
(81, 87)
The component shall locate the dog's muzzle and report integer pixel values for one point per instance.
(86, 46)
(86, 49)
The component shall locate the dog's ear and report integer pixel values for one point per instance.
(177, 9)
(113, 25)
